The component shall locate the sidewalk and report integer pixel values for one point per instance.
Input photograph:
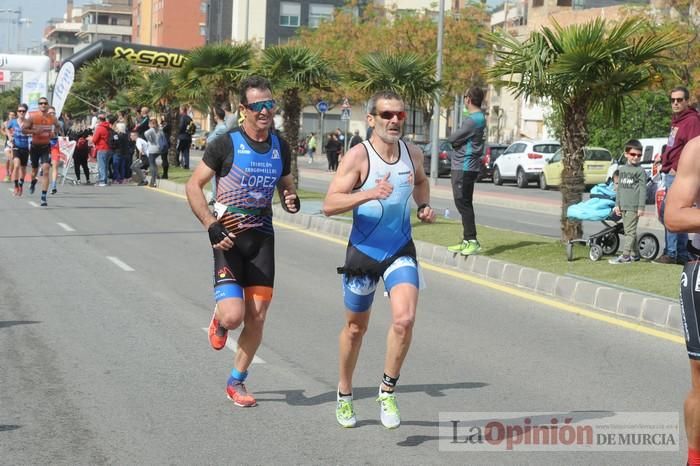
(629, 305)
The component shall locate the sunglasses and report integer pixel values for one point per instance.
(677, 99)
(634, 154)
(21, 111)
(387, 115)
(258, 106)
(43, 103)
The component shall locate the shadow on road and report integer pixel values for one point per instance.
(5, 428)
(298, 398)
(12, 323)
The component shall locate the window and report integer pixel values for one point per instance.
(319, 13)
(563, 2)
(203, 30)
(536, 3)
(289, 14)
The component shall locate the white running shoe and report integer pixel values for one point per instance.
(388, 410)
(344, 412)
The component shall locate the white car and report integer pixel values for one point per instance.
(523, 161)
(652, 148)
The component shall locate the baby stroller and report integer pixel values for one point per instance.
(607, 241)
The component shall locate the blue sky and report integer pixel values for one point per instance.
(38, 11)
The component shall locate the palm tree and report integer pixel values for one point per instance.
(407, 74)
(100, 80)
(579, 68)
(212, 74)
(292, 71)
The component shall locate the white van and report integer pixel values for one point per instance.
(652, 148)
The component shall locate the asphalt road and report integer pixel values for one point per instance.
(104, 357)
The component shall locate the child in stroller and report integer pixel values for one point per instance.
(599, 207)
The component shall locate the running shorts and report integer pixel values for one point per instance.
(690, 307)
(249, 263)
(21, 153)
(39, 154)
(358, 290)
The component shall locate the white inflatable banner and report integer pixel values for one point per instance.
(64, 81)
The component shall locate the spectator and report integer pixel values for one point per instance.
(140, 162)
(630, 200)
(99, 140)
(153, 137)
(81, 152)
(142, 122)
(356, 139)
(311, 147)
(184, 138)
(685, 125)
(230, 118)
(333, 149)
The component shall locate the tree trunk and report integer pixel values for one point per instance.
(290, 116)
(572, 184)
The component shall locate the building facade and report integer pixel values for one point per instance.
(178, 24)
(106, 21)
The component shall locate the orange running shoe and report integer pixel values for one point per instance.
(237, 393)
(217, 333)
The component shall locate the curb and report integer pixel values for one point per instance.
(637, 307)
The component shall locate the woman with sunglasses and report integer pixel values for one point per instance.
(249, 163)
(20, 151)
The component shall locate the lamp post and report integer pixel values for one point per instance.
(435, 128)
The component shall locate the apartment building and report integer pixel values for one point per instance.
(110, 21)
(178, 24)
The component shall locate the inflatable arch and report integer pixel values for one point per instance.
(138, 54)
(35, 72)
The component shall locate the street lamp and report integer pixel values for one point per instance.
(435, 129)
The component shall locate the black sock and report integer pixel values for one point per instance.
(21, 182)
(344, 394)
(16, 183)
(34, 182)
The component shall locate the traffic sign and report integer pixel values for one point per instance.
(322, 106)
(345, 114)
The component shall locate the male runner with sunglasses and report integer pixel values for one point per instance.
(249, 163)
(376, 180)
(42, 127)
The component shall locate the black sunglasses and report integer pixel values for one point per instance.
(677, 99)
(43, 103)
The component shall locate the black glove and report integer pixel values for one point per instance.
(297, 204)
(217, 233)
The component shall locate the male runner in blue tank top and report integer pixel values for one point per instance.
(249, 163)
(682, 214)
(376, 180)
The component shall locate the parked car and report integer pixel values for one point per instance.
(444, 159)
(523, 161)
(596, 161)
(199, 140)
(652, 148)
(488, 160)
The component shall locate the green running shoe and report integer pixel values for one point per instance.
(457, 248)
(389, 410)
(472, 247)
(344, 412)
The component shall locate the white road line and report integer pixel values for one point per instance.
(230, 344)
(120, 264)
(33, 204)
(65, 227)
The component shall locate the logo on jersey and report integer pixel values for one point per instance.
(242, 149)
(224, 273)
(275, 154)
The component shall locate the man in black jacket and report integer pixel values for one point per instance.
(184, 138)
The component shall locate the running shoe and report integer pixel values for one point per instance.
(458, 248)
(388, 410)
(344, 412)
(44, 203)
(7, 179)
(217, 333)
(32, 187)
(472, 247)
(54, 190)
(237, 393)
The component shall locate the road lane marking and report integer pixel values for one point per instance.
(33, 204)
(230, 344)
(595, 315)
(65, 227)
(125, 267)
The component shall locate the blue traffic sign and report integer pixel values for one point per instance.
(322, 106)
